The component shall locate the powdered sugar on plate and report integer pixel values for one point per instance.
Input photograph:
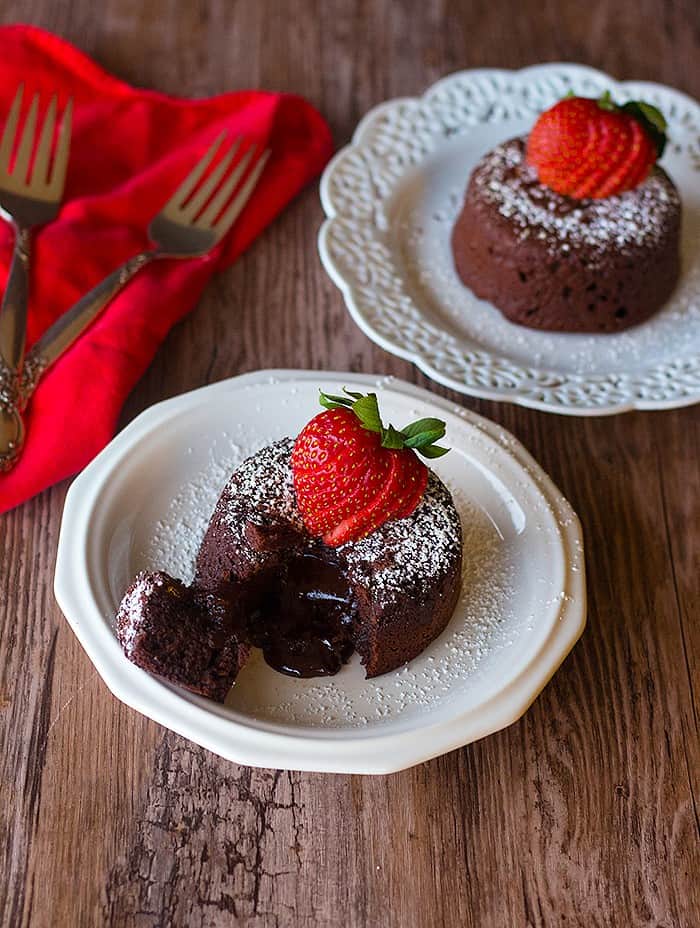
(176, 537)
(482, 624)
(483, 621)
(422, 213)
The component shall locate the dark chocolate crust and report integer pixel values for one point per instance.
(405, 577)
(551, 262)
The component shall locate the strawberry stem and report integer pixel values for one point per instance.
(419, 436)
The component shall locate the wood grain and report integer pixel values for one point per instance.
(584, 813)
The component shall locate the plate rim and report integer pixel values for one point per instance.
(369, 753)
(499, 394)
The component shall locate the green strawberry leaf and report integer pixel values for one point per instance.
(647, 113)
(366, 408)
(424, 425)
(651, 119)
(432, 451)
(329, 401)
(606, 102)
(424, 438)
(391, 438)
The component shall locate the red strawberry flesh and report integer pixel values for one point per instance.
(417, 478)
(352, 474)
(587, 148)
(392, 498)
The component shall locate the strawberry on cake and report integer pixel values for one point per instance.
(339, 541)
(575, 228)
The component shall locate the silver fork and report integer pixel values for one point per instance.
(30, 196)
(194, 219)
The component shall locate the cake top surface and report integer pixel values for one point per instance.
(632, 219)
(401, 554)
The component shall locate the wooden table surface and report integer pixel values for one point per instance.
(583, 813)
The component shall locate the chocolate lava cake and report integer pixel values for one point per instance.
(262, 579)
(549, 261)
(390, 593)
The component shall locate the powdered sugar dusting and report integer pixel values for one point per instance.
(421, 222)
(408, 552)
(176, 537)
(482, 625)
(638, 217)
(131, 608)
(400, 555)
(264, 482)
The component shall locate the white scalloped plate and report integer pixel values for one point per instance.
(391, 197)
(145, 501)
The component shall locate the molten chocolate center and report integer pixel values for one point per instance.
(304, 619)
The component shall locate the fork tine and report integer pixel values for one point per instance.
(40, 170)
(194, 177)
(241, 198)
(199, 199)
(58, 174)
(8, 135)
(26, 142)
(217, 204)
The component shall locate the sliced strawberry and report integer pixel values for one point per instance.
(613, 142)
(594, 148)
(417, 479)
(367, 489)
(634, 167)
(582, 159)
(330, 456)
(351, 474)
(391, 499)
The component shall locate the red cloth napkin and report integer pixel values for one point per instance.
(130, 150)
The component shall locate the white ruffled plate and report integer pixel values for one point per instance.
(144, 503)
(391, 198)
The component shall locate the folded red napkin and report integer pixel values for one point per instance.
(130, 150)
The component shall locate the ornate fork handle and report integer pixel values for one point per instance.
(11, 423)
(13, 314)
(13, 325)
(68, 328)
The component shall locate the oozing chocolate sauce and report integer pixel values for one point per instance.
(304, 619)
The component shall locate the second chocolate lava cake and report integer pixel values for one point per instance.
(549, 261)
